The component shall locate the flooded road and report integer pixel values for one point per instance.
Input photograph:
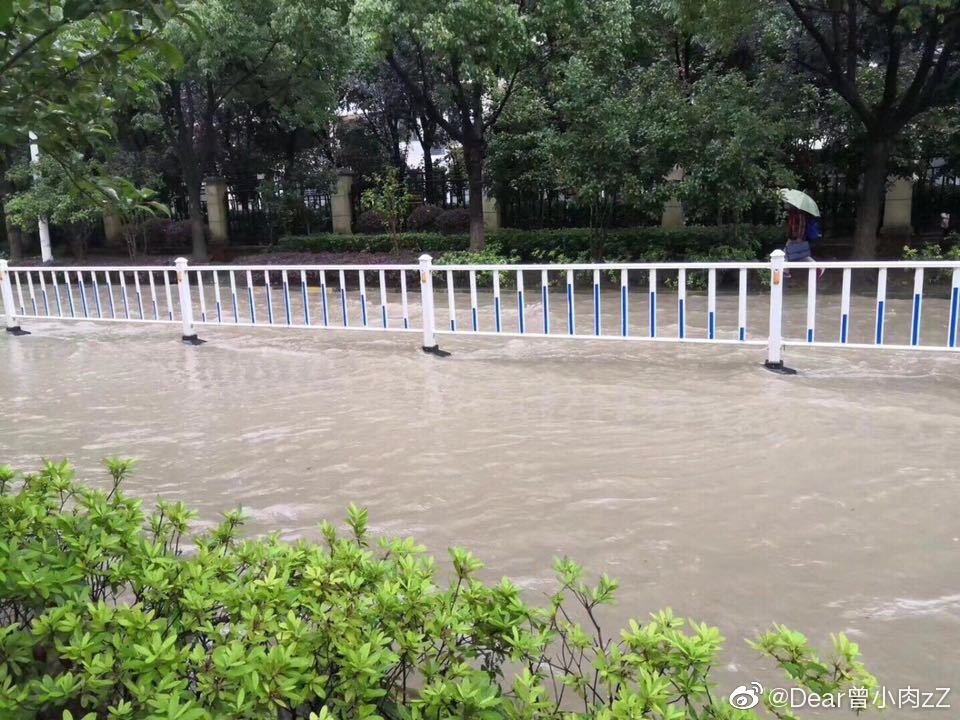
(826, 501)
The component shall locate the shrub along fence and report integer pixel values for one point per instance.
(103, 615)
(650, 244)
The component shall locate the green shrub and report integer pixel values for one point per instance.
(490, 255)
(645, 244)
(104, 615)
(454, 221)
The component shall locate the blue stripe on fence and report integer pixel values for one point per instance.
(844, 326)
(915, 326)
(546, 310)
(624, 323)
(306, 303)
(236, 308)
(473, 313)
(343, 307)
(83, 296)
(253, 308)
(570, 325)
(126, 304)
(323, 304)
(878, 339)
(383, 313)
(140, 303)
(286, 302)
(742, 334)
(46, 302)
(653, 313)
(219, 312)
(363, 309)
(56, 290)
(596, 309)
(809, 335)
(453, 325)
(711, 321)
(266, 284)
(521, 320)
(681, 320)
(70, 300)
(496, 312)
(954, 306)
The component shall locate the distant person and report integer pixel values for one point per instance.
(945, 223)
(803, 231)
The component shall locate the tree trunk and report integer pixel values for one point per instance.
(14, 241)
(870, 198)
(429, 192)
(196, 222)
(473, 157)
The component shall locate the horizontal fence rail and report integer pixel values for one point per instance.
(663, 302)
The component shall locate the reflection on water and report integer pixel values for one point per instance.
(826, 501)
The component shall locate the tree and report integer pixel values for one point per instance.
(460, 65)
(890, 61)
(284, 54)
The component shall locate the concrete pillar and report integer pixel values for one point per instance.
(341, 208)
(113, 231)
(898, 208)
(491, 212)
(673, 208)
(217, 218)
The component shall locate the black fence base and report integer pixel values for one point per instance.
(435, 350)
(17, 330)
(779, 368)
(192, 340)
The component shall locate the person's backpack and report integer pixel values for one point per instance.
(813, 229)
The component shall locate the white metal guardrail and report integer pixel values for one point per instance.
(300, 297)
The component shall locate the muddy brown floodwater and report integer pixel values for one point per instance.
(827, 501)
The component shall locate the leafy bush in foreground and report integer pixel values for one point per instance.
(105, 616)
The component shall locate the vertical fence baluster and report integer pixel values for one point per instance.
(845, 306)
(343, 300)
(624, 303)
(96, 292)
(286, 296)
(186, 301)
(474, 313)
(23, 307)
(811, 305)
(775, 328)
(66, 282)
(545, 297)
(305, 297)
(451, 302)
(712, 304)
(597, 323)
(113, 307)
(203, 299)
(571, 320)
(521, 312)
(363, 298)
(136, 287)
(496, 299)
(269, 293)
(233, 297)
(153, 297)
(83, 294)
(216, 295)
(742, 306)
(917, 306)
(653, 303)
(881, 305)
(383, 298)
(403, 300)
(681, 303)
(323, 298)
(167, 294)
(6, 300)
(56, 291)
(123, 294)
(250, 299)
(954, 308)
(43, 292)
(33, 297)
(426, 304)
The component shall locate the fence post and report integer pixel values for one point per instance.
(774, 360)
(9, 309)
(186, 304)
(426, 305)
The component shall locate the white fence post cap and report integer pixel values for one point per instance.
(777, 254)
(425, 258)
(180, 261)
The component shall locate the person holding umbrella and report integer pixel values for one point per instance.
(803, 225)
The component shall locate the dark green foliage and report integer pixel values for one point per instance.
(453, 221)
(103, 615)
(653, 244)
(424, 218)
(371, 222)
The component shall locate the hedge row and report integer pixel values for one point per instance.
(644, 243)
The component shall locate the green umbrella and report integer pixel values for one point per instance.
(801, 201)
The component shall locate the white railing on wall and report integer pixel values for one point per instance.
(376, 298)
